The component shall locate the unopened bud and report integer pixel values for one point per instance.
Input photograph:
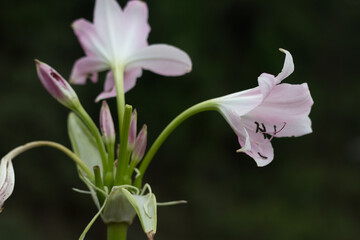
(140, 145)
(7, 180)
(107, 124)
(56, 85)
(132, 131)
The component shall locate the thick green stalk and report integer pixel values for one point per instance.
(118, 71)
(109, 175)
(99, 184)
(200, 107)
(117, 231)
(15, 152)
(95, 132)
(123, 161)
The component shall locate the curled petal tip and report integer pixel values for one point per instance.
(72, 25)
(283, 50)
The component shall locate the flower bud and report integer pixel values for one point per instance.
(140, 145)
(7, 180)
(56, 85)
(132, 131)
(107, 124)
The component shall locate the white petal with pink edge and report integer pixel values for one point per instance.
(161, 59)
(84, 67)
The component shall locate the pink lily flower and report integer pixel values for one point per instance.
(7, 180)
(119, 38)
(273, 109)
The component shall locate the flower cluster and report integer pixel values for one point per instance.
(112, 158)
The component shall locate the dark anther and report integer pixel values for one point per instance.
(263, 129)
(257, 126)
(262, 156)
(267, 136)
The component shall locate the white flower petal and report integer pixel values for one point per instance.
(108, 21)
(261, 149)
(296, 128)
(161, 59)
(130, 77)
(235, 105)
(135, 27)
(7, 180)
(285, 103)
(288, 67)
(90, 40)
(86, 67)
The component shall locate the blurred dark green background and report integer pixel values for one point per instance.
(310, 191)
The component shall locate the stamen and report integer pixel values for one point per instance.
(280, 128)
(258, 127)
(275, 132)
(262, 156)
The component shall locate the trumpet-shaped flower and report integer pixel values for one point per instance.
(119, 38)
(273, 109)
(7, 180)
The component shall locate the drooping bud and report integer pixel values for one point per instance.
(56, 85)
(7, 180)
(132, 131)
(107, 124)
(140, 145)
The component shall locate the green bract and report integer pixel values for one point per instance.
(83, 142)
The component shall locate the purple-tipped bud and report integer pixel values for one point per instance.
(107, 124)
(132, 131)
(140, 145)
(7, 180)
(56, 85)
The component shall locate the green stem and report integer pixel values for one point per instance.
(118, 71)
(109, 176)
(99, 184)
(123, 161)
(200, 107)
(95, 132)
(117, 231)
(15, 152)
